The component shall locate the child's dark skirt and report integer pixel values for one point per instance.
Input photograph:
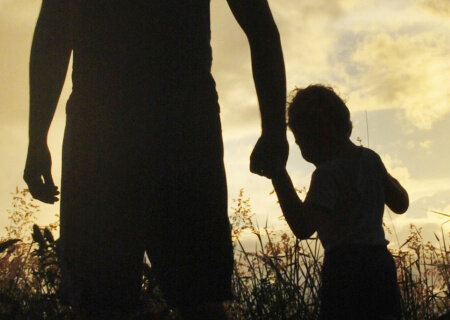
(359, 282)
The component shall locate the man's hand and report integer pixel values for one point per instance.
(38, 174)
(269, 155)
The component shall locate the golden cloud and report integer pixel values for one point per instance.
(441, 7)
(426, 144)
(396, 167)
(406, 71)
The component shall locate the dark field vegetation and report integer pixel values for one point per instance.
(278, 279)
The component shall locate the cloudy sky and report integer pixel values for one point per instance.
(389, 59)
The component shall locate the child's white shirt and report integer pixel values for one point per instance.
(352, 193)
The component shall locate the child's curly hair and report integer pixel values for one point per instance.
(317, 107)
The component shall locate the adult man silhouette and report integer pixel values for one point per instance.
(142, 152)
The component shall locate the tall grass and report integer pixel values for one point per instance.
(29, 273)
(278, 277)
(423, 272)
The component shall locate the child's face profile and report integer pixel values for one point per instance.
(309, 141)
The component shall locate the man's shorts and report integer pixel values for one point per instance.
(144, 183)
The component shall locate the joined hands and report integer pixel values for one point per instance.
(269, 156)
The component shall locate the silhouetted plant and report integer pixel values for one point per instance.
(29, 273)
(423, 273)
(277, 279)
(280, 278)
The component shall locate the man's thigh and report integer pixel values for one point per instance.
(101, 247)
(189, 237)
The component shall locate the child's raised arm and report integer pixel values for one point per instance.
(395, 196)
(302, 217)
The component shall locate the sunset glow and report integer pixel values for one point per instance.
(389, 60)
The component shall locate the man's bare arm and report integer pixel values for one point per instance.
(256, 20)
(50, 54)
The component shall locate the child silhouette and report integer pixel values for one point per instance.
(345, 205)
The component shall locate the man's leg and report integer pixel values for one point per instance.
(101, 245)
(189, 237)
(189, 243)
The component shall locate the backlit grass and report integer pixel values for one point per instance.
(276, 278)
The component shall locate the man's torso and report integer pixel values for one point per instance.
(152, 54)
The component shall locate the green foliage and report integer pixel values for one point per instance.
(279, 278)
